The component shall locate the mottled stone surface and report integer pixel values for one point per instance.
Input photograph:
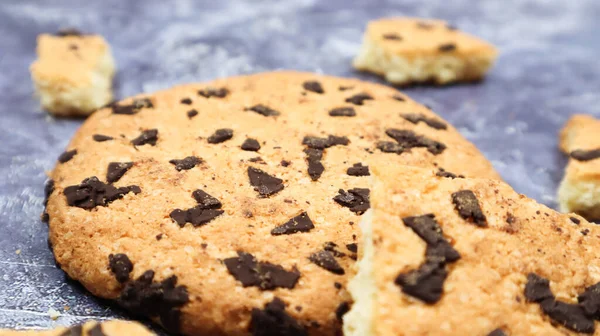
(548, 69)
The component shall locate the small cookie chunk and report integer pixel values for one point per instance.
(205, 233)
(429, 268)
(410, 51)
(73, 73)
(109, 328)
(579, 190)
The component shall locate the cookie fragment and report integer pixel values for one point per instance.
(147, 137)
(313, 86)
(358, 169)
(116, 170)
(121, 266)
(467, 205)
(300, 223)
(101, 137)
(342, 112)
(326, 260)
(357, 199)
(213, 92)
(186, 163)
(220, 135)
(67, 156)
(250, 272)
(415, 118)
(265, 184)
(93, 192)
(263, 110)
(251, 145)
(273, 320)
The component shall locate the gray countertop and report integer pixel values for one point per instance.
(548, 69)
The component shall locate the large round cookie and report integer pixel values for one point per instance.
(230, 207)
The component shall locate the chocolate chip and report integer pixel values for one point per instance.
(68, 32)
(73, 331)
(263, 110)
(265, 184)
(326, 260)
(116, 170)
(186, 101)
(399, 98)
(358, 169)
(446, 47)
(537, 289)
(332, 247)
(274, 321)
(408, 139)
(390, 147)
(213, 92)
(497, 332)
(186, 163)
(443, 173)
(257, 159)
(163, 299)
(300, 223)
(575, 220)
(96, 331)
(192, 113)
(220, 135)
(315, 167)
(415, 118)
(334, 140)
(589, 301)
(147, 137)
(569, 315)
(337, 285)
(585, 232)
(251, 145)
(250, 272)
(392, 36)
(67, 156)
(159, 236)
(585, 155)
(352, 247)
(92, 193)
(285, 163)
(121, 266)
(425, 283)
(48, 190)
(467, 205)
(345, 88)
(427, 228)
(205, 200)
(133, 108)
(322, 143)
(357, 199)
(359, 99)
(341, 310)
(313, 86)
(343, 112)
(197, 215)
(101, 137)
(424, 25)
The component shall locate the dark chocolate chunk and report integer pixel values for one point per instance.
(571, 316)
(332, 247)
(96, 331)
(425, 283)
(67, 156)
(116, 170)
(585, 232)
(315, 167)
(265, 184)
(358, 169)
(186, 163)
(133, 108)
(589, 301)
(192, 113)
(326, 260)
(213, 92)
(585, 155)
(427, 228)
(409, 139)
(263, 110)
(352, 247)
(359, 99)
(101, 137)
(186, 101)
(264, 275)
(390, 147)
(163, 299)
(392, 36)
(73, 331)
(48, 190)
(274, 321)
(121, 266)
(197, 215)
(497, 332)
(344, 88)
(257, 159)
(465, 202)
(443, 173)
(424, 25)
(446, 47)
(147, 137)
(357, 199)
(342, 309)
(334, 140)
(537, 288)
(220, 135)
(313, 86)
(92, 193)
(575, 220)
(415, 118)
(285, 163)
(343, 112)
(399, 98)
(322, 143)
(251, 145)
(300, 223)
(205, 200)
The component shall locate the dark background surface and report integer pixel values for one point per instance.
(548, 69)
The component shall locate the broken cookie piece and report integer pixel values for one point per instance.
(579, 190)
(410, 51)
(73, 73)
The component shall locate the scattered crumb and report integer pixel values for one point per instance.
(18, 251)
(53, 313)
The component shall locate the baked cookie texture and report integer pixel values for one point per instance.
(579, 190)
(470, 256)
(231, 207)
(109, 328)
(410, 51)
(73, 73)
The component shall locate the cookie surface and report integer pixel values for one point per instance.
(410, 50)
(462, 256)
(579, 190)
(110, 328)
(73, 73)
(231, 207)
